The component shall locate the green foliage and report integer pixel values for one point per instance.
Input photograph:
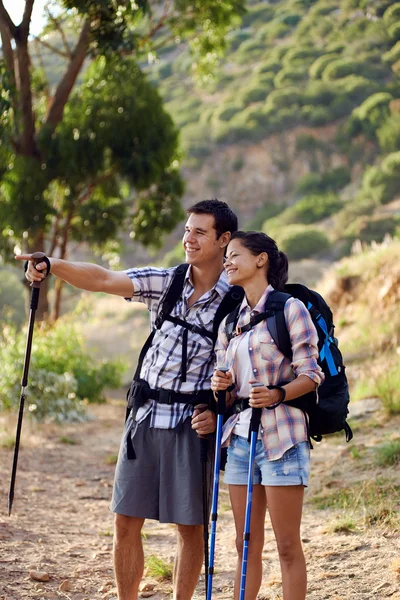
(299, 241)
(392, 55)
(312, 208)
(12, 304)
(388, 454)
(387, 387)
(389, 133)
(382, 183)
(61, 374)
(318, 66)
(333, 180)
(392, 14)
(265, 212)
(174, 257)
(289, 76)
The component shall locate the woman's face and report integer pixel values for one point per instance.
(241, 266)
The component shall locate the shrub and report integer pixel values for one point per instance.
(259, 13)
(342, 67)
(12, 301)
(372, 113)
(392, 55)
(225, 113)
(236, 38)
(318, 66)
(274, 30)
(311, 209)
(61, 371)
(388, 389)
(382, 183)
(272, 66)
(316, 115)
(291, 19)
(283, 98)
(394, 32)
(255, 94)
(356, 88)
(389, 134)
(302, 242)
(265, 212)
(392, 14)
(332, 180)
(319, 93)
(289, 76)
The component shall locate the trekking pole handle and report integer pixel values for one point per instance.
(221, 395)
(255, 419)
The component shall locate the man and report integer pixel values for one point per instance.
(161, 479)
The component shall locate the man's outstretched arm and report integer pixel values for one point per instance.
(86, 276)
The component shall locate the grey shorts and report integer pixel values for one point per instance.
(164, 481)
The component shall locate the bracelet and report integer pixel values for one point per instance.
(282, 398)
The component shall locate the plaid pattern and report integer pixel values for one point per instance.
(285, 426)
(162, 365)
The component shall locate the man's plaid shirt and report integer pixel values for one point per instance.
(162, 365)
(284, 426)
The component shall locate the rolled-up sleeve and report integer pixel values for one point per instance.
(304, 340)
(149, 284)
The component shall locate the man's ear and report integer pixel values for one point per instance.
(224, 239)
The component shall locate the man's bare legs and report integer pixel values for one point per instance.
(128, 556)
(188, 561)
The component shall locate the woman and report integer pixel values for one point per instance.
(282, 455)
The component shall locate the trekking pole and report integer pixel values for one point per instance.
(35, 285)
(253, 434)
(204, 460)
(221, 405)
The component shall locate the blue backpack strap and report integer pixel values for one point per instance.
(276, 323)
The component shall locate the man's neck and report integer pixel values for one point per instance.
(205, 277)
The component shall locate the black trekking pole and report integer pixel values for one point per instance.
(253, 434)
(214, 506)
(204, 461)
(38, 257)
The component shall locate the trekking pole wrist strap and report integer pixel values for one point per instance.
(282, 398)
(44, 259)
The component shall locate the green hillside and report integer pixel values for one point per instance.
(323, 74)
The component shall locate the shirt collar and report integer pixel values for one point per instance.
(221, 287)
(260, 304)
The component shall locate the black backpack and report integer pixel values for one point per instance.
(231, 300)
(328, 415)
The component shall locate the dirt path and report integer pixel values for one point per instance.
(61, 525)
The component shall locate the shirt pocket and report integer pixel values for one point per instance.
(268, 349)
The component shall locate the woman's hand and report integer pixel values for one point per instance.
(261, 396)
(221, 380)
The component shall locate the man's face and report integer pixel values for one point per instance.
(200, 240)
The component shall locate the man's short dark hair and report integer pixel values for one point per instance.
(224, 217)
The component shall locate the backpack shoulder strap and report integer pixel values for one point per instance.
(174, 290)
(276, 323)
(230, 302)
(170, 299)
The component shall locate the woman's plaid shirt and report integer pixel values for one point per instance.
(162, 364)
(285, 426)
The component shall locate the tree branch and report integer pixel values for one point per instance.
(28, 144)
(57, 25)
(50, 47)
(41, 63)
(66, 84)
(26, 19)
(6, 19)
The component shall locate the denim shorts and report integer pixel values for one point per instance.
(293, 468)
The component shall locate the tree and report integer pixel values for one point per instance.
(81, 161)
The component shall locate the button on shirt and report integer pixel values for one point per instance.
(162, 365)
(284, 426)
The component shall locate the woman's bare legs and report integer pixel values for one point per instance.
(285, 507)
(238, 495)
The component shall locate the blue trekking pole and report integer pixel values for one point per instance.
(253, 434)
(217, 467)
